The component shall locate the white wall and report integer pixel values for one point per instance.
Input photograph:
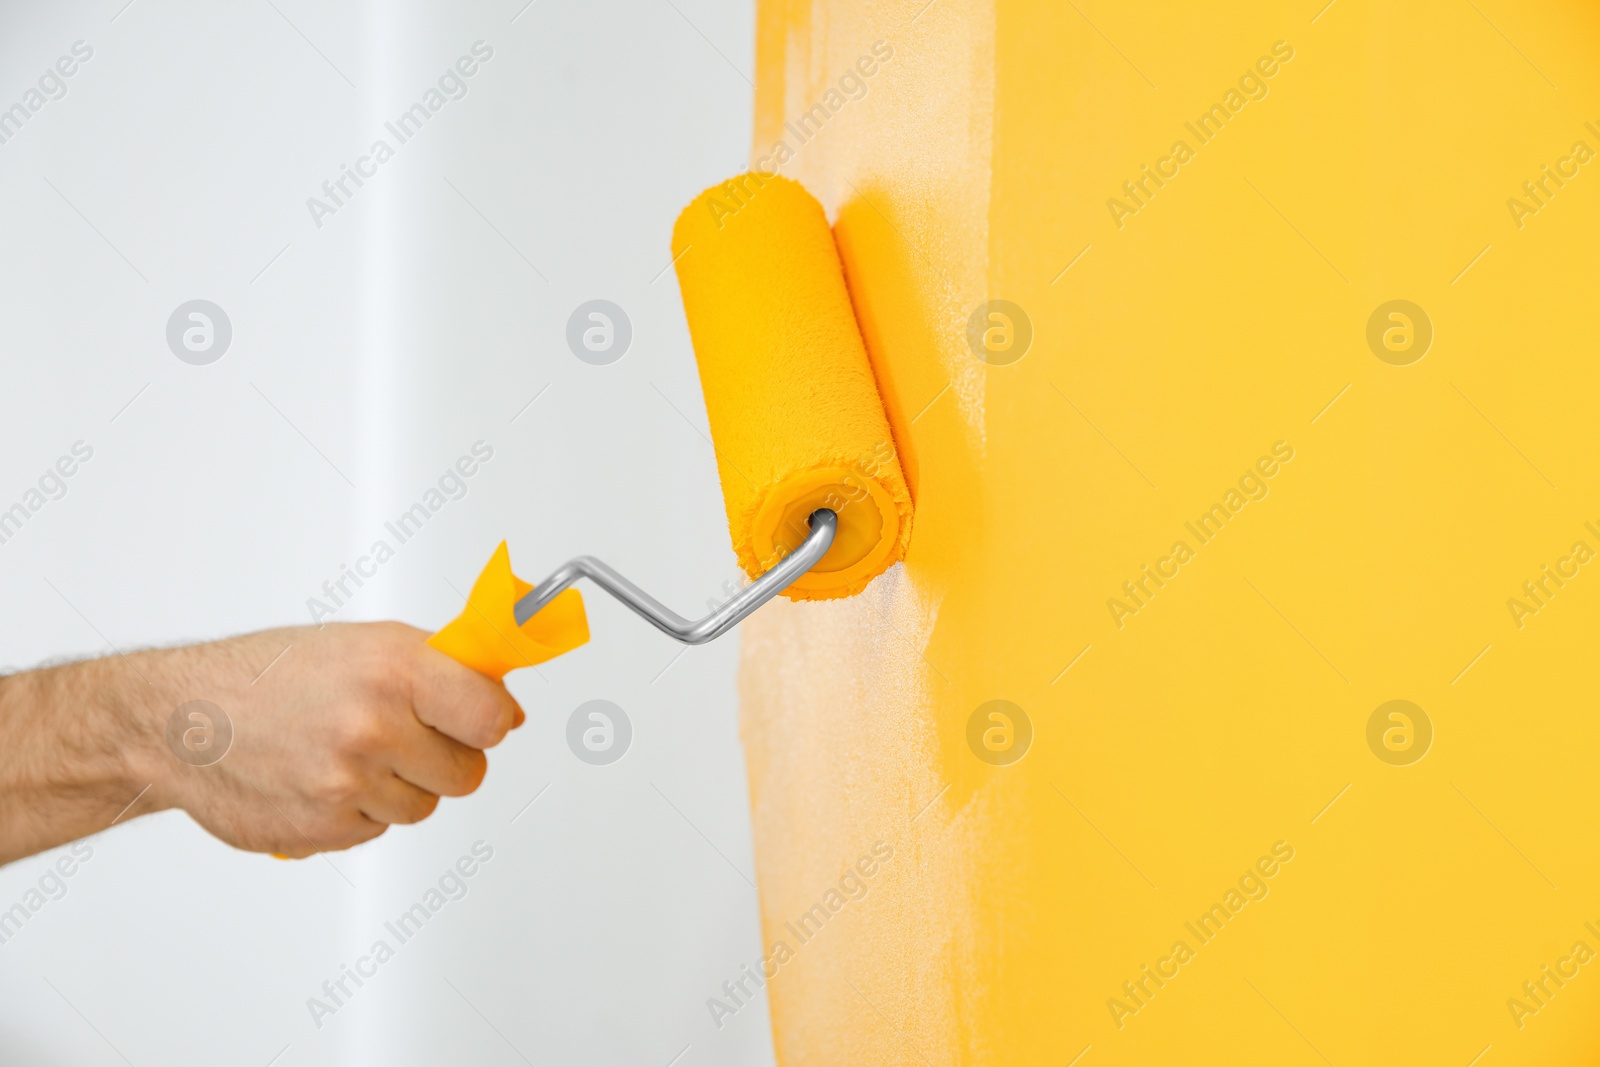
(412, 323)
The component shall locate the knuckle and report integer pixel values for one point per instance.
(422, 807)
(385, 672)
(489, 723)
(337, 788)
(470, 768)
(378, 655)
(360, 730)
(470, 733)
(390, 630)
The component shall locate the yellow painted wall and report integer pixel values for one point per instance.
(1221, 324)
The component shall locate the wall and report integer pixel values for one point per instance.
(1221, 717)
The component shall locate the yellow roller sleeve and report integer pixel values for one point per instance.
(794, 408)
(486, 637)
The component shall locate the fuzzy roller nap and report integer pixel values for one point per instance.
(794, 408)
(817, 503)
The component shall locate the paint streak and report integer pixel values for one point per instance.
(845, 714)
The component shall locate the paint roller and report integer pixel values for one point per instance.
(816, 500)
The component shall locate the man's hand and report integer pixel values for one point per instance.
(350, 729)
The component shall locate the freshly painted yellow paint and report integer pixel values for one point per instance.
(1200, 342)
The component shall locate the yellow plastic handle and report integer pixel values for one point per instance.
(486, 637)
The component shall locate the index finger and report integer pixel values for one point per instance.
(459, 702)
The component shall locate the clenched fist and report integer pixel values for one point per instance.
(331, 735)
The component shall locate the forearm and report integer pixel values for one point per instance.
(78, 744)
